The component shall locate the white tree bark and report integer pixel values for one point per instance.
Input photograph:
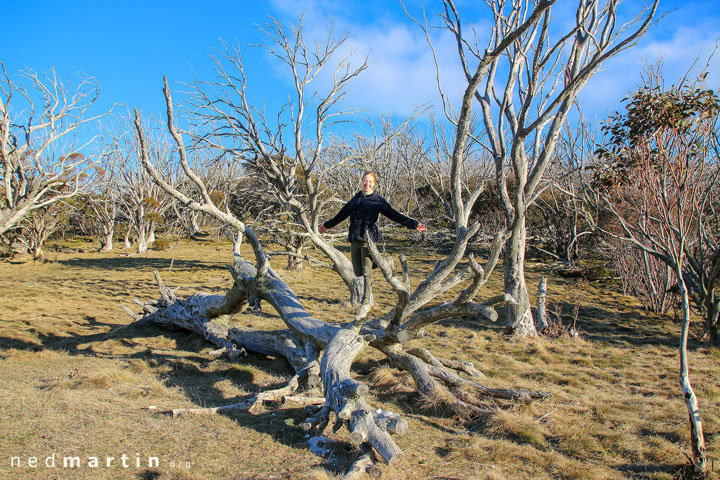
(36, 119)
(541, 316)
(107, 236)
(306, 336)
(127, 243)
(524, 114)
(519, 315)
(697, 439)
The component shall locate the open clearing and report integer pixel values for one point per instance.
(77, 381)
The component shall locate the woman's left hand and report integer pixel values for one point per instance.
(421, 228)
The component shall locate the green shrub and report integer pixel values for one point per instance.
(161, 244)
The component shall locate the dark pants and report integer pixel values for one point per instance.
(362, 267)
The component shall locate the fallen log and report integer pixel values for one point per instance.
(322, 353)
(301, 343)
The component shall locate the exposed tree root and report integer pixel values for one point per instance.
(305, 337)
(440, 386)
(209, 316)
(460, 366)
(361, 467)
(346, 396)
(437, 380)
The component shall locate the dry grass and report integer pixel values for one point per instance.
(516, 426)
(78, 380)
(383, 376)
(436, 402)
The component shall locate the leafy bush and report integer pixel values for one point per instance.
(161, 244)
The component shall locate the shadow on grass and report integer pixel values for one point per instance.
(134, 263)
(7, 343)
(191, 372)
(672, 437)
(640, 471)
(188, 372)
(185, 371)
(321, 300)
(631, 327)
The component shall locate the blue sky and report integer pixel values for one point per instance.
(129, 45)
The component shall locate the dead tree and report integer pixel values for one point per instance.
(322, 352)
(37, 226)
(525, 82)
(285, 150)
(142, 201)
(562, 226)
(41, 162)
(104, 191)
(226, 180)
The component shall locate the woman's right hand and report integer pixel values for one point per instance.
(322, 229)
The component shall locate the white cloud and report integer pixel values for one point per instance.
(622, 75)
(401, 73)
(686, 47)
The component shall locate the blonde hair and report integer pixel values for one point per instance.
(369, 172)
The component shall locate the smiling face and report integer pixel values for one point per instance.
(368, 183)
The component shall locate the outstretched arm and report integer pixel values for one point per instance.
(341, 215)
(398, 217)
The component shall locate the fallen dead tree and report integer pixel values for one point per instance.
(304, 340)
(322, 353)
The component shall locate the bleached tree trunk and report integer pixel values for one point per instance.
(41, 160)
(106, 241)
(207, 315)
(295, 259)
(141, 239)
(127, 243)
(697, 439)
(343, 266)
(145, 233)
(107, 230)
(541, 322)
(305, 336)
(104, 198)
(194, 226)
(141, 242)
(140, 200)
(543, 66)
(519, 314)
(237, 243)
(37, 227)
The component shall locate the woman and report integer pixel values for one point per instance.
(364, 209)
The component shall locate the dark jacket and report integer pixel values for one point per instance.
(363, 211)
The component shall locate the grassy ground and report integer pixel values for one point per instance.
(76, 380)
